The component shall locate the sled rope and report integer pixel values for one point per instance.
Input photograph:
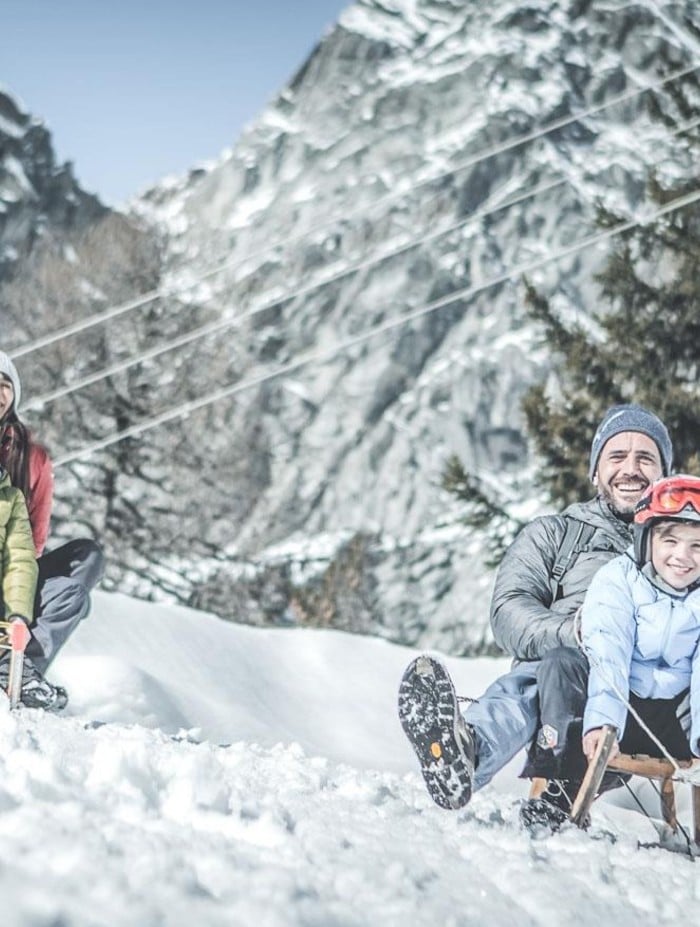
(635, 714)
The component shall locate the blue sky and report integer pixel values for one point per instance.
(133, 91)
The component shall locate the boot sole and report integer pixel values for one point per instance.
(429, 715)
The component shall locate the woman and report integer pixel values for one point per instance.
(66, 574)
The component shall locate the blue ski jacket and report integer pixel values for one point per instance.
(640, 636)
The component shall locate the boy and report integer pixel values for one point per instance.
(640, 628)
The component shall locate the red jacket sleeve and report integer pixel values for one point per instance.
(40, 495)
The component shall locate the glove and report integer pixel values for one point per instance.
(14, 616)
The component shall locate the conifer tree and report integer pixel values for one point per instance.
(642, 344)
(643, 347)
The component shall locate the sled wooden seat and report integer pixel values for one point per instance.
(649, 768)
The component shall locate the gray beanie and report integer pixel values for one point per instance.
(632, 418)
(8, 369)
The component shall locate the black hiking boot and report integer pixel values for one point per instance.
(443, 742)
(36, 692)
(552, 809)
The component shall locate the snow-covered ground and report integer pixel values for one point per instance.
(213, 774)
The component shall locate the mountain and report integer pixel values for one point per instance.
(217, 774)
(38, 197)
(345, 287)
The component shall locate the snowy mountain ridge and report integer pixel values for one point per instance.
(424, 150)
(345, 285)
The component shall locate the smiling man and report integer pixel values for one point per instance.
(630, 450)
(539, 588)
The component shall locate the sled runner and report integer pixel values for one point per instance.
(663, 771)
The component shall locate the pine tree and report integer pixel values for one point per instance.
(643, 344)
(484, 513)
(643, 347)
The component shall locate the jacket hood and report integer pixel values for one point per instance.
(8, 369)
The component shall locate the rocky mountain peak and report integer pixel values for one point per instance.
(353, 266)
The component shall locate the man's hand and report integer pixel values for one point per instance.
(591, 741)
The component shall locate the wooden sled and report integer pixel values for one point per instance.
(638, 765)
(649, 768)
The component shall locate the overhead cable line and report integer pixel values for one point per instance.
(112, 312)
(690, 42)
(185, 409)
(223, 324)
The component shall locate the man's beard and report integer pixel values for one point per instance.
(624, 512)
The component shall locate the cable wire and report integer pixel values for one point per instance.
(162, 292)
(185, 409)
(222, 324)
(203, 331)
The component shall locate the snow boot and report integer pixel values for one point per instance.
(36, 692)
(443, 742)
(552, 809)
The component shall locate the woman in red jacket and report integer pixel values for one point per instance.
(67, 574)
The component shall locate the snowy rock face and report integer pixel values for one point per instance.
(407, 172)
(37, 196)
(357, 260)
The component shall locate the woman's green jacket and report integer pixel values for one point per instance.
(19, 568)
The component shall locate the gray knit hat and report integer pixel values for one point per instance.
(8, 369)
(632, 418)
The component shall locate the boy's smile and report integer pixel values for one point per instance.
(675, 552)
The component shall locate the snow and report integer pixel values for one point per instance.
(216, 774)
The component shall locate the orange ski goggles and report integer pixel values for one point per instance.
(670, 497)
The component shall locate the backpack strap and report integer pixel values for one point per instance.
(576, 537)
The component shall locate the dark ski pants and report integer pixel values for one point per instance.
(67, 575)
(562, 683)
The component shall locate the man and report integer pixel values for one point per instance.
(539, 588)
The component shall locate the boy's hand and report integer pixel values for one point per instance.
(591, 741)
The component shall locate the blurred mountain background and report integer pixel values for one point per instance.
(253, 378)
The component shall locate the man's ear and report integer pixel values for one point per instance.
(595, 478)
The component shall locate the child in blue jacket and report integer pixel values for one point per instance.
(640, 629)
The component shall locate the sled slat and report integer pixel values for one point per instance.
(696, 812)
(647, 766)
(668, 804)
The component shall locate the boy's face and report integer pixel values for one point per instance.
(675, 553)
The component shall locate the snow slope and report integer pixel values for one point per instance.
(215, 774)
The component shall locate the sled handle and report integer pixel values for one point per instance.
(594, 775)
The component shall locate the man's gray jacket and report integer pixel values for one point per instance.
(526, 621)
